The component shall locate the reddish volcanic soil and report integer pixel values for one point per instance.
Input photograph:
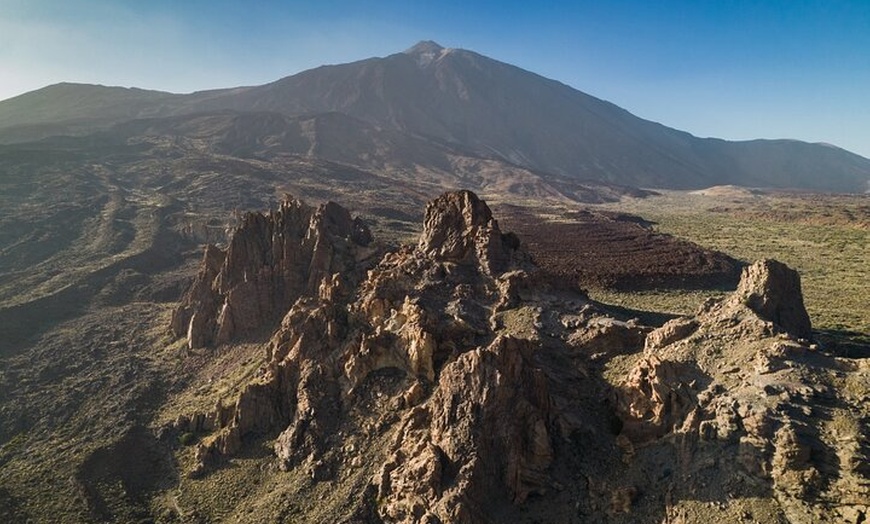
(616, 251)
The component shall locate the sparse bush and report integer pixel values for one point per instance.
(187, 439)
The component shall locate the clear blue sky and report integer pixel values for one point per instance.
(730, 68)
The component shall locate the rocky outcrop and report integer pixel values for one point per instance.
(472, 419)
(773, 291)
(457, 386)
(658, 397)
(415, 310)
(459, 227)
(481, 438)
(195, 318)
(672, 331)
(740, 386)
(270, 262)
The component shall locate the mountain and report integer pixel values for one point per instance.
(466, 102)
(169, 356)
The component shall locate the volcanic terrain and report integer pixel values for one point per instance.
(183, 341)
(452, 381)
(438, 114)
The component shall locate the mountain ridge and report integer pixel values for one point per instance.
(464, 99)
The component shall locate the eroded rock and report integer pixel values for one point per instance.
(459, 227)
(415, 311)
(773, 291)
(271, 261)
(463, 385)
(739, 385)
(481, 437)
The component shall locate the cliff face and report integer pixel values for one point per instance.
(452, 383)
(271, 261)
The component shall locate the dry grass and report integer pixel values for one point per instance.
(825, 237)
(219, 375)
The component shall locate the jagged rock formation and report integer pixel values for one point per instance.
(457, 452)
(773, 291)
(427, 312)
(462, 387)
(740, 387)
(458, 227)
(271, 261)
(431, 313)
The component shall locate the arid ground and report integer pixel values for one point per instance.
(88, 367)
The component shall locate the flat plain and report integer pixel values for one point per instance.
(826, 237)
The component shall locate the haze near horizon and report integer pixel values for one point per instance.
(746, 70)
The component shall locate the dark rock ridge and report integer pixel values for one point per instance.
(460, 386)
(617, 251)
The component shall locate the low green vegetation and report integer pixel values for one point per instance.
(187, 439)
(826, 238)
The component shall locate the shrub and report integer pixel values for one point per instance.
(187, 439)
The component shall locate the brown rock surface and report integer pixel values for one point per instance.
(451, 383)
(458, 453)
(459, 227)
(773, 291)
(416, 310)
(737, 388)
(472, 415)
(271, 261)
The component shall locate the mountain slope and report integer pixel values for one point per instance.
(500, 110)
(494, 108)
(485, 107)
